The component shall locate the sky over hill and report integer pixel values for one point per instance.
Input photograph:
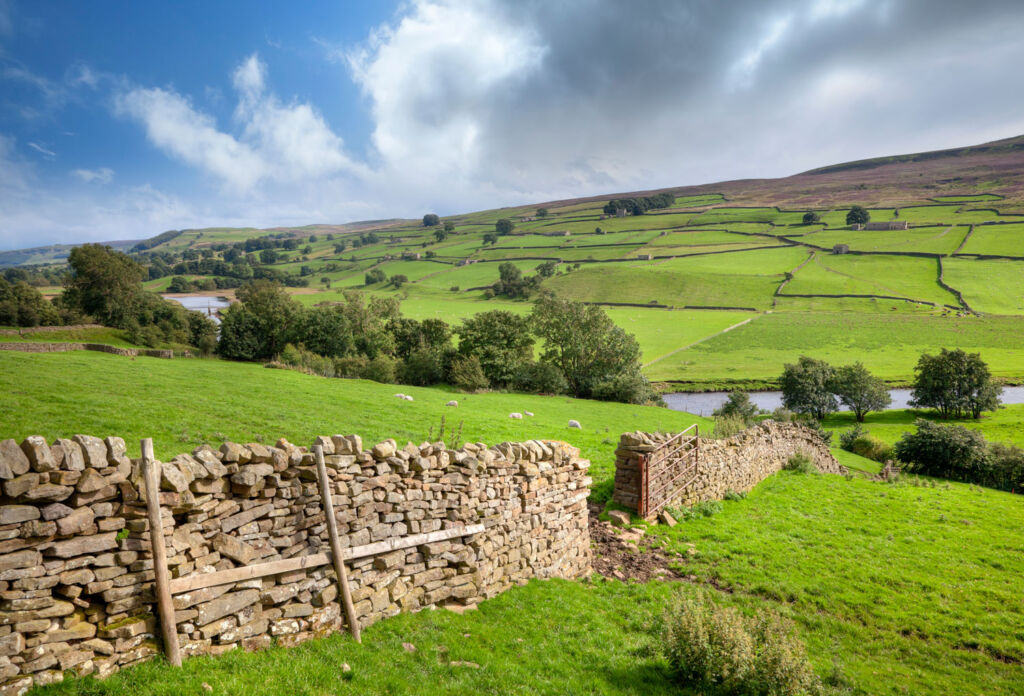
(121, 119)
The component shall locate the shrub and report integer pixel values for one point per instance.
(628, 387)
(872, 448)
(540, 378)
(422, 367)
(946, 451)
(847, 438)
(380, 369)
(739, 404)
(802, 463)
(1007, 467)
(734, 495)
(727, 426)
(468, 375)
(717, 650)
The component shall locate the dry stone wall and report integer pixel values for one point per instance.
(738, 463)
(76, 571)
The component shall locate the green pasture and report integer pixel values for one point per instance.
(942, 239)
(1005, 425)
(888, 344)
(897, 276)
(991, 286)
(997, 240)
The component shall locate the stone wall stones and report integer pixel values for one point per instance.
(76, 572)
(738, 463)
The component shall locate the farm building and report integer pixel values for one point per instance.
(557, 233)
(645, 257)
(888, 225)
(465, 262)
(841, 249)
(411, 256)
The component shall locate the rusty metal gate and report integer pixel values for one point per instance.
(667, 470)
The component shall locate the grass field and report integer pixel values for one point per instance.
(997, 240)
(909, 277)
(895, 588)
(888, 344)
(183, 403)
(1005, 425)
(989, 286)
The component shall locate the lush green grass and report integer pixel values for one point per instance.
(941, 239)
(897, 276)
(1005, 425)
(183, 403)
(913, 589)
(997, 240)
(888, 344)
(990, 286)
(113, 337)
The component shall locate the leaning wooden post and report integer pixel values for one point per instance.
(332, 531)
(151, 474)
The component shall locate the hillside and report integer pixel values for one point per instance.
(721, 288)
(915, 590)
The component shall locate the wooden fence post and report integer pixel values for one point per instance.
(165, 606)
(332, 531)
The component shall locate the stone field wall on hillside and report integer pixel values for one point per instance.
(76, 570)
(736, 464)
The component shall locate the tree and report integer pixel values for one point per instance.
(440, 235)
(590, 350)
(738, 405)
(468, 375)
(326, 331)
(806, 387)
(955, 383)
(264, 321)
(374, 276)
(104, 283)
(490, 238)
(858, 215)
(23, 305)
(398, 280)
(542, 212)
(449, 226)
(504, 226)
(326, 282)
(547, 269)
(429, 220)
(946, 451)
(811, 217)
(500, 340)
(268, 256)
(859, 390)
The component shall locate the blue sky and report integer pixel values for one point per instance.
(119, 120)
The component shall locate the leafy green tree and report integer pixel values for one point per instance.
(266, 320)
(806, 387)
(547, 269)
(500, 340)
(504, 226)
(490, 238)
(542, 213)
(326, 282)
(586, 345)
(374, 276)
(326, 331)
(430, 219)
(104, 283)
(858, 215)
(268, 256)
(811, 217)
(956, 384)
(738, 405)
(449, 226)
(440, 235)
(946, 451)
(468, 375)
(398, 280)
(859, 390)
(23, 305)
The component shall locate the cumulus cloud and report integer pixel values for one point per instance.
(103, 175)
(273, 141)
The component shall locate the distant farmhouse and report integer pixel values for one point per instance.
(411, 256)
(557, 233)
(888, 225)
(465, 262)
(841, 249)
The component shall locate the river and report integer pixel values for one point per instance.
(207, 304)
(704, 403)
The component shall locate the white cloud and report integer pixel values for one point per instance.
(45, 152)
(103, 175)
(173, 125)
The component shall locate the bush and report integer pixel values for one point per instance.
(727, 426)
(380, 369)
(802, 463)
(717, 650)
(467, 374)
(628, 387)
(945, 451)
(421, 368)
(739, 404)
(1007, 467)
(872, 448)
(734, 495)
(540, 378)
(847, 438)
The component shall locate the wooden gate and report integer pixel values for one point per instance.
(667, 470)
